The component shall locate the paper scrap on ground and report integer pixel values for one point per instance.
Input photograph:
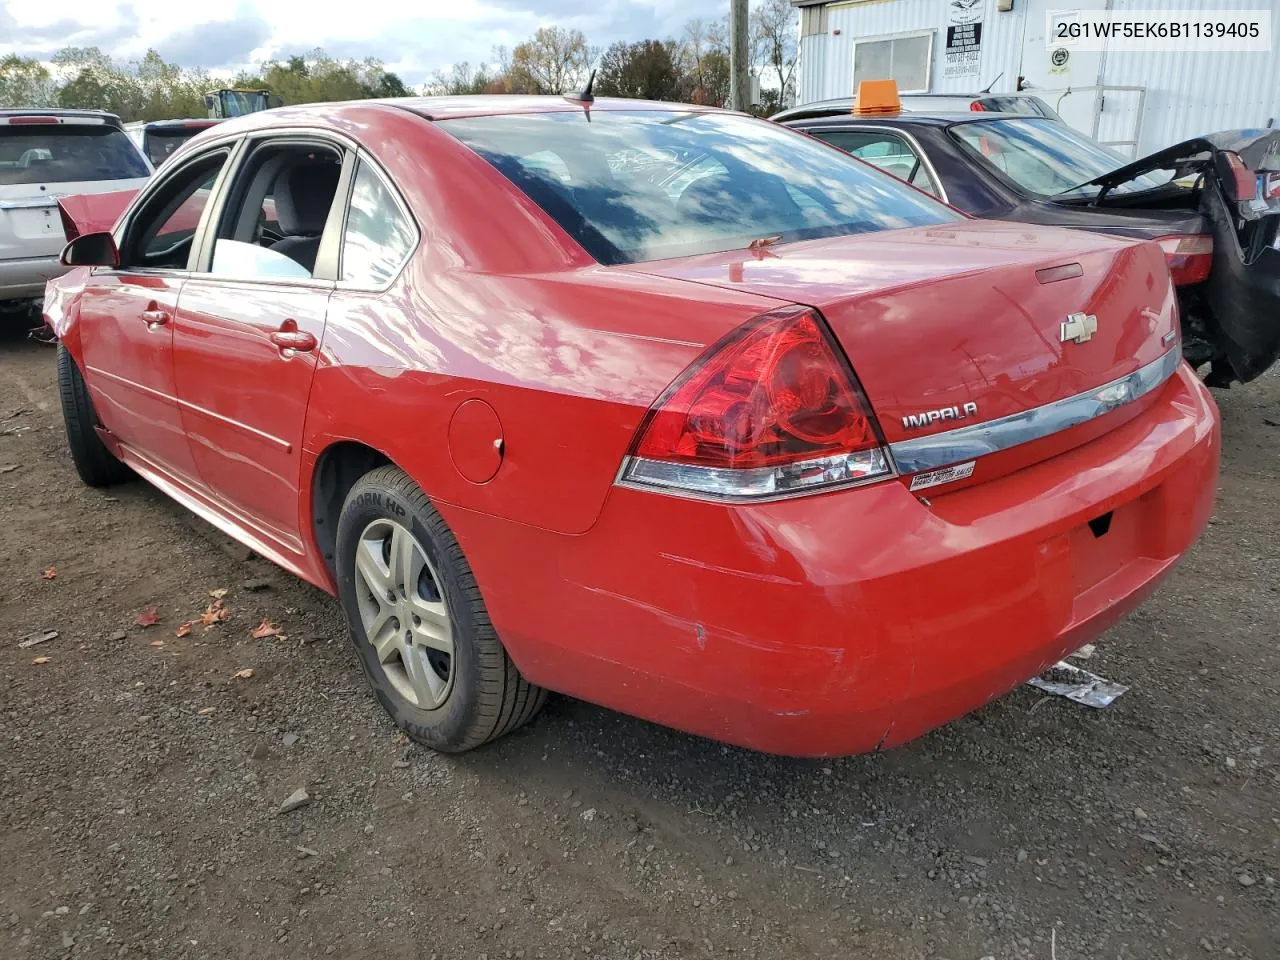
(1067, 680)
(35, 638)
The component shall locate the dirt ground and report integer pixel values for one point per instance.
(140, 778)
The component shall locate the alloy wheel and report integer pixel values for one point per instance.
(404, 613)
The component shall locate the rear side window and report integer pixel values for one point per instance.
(67, 153)
(159, 144)
(379, 234)
(644, 185)
(883, 151)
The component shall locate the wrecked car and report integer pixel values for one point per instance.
(666, 408)
(1212, 203)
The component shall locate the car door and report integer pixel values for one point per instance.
(894, 153)
(127, 313)
(250, 322)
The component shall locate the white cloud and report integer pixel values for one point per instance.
(412, 38)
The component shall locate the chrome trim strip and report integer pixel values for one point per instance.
(624, 478)
(969, 443)
(35, 203)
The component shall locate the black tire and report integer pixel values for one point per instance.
(488, 697)
(96, 465)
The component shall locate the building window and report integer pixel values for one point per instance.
(904, 57)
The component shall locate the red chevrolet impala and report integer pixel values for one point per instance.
(662, 407)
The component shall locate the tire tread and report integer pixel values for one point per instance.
(505, 699)
(95, 464)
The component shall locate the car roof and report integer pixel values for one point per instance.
(441, 108)
(806, 111)
(177, 122)
(927, 118)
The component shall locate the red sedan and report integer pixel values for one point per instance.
(661, 407)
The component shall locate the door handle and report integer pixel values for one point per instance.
(156, 318)
(289, 337)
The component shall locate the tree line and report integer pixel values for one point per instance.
(693, 68)
(154, 89)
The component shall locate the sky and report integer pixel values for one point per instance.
(412, 39)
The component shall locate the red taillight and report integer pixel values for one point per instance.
(1190, 258)
(770, 410)
(1244, 180)
(977, 107)
(24, 121)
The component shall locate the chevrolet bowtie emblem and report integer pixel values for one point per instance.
(1079, 327)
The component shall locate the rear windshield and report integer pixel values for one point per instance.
(67, 153)
(646, 185)
(1046, 158)
(161, 142)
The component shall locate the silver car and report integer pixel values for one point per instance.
(46, 154)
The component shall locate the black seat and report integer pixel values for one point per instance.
(303, 196)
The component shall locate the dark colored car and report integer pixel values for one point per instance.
(160, 138)
(1213, 203)
(1023, 104)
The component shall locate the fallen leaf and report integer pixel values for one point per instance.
(205, 711)
(38, 660)
(157, 643)
(265, 629)
(219, 593)
(148, 618)
(214, 613)
(184, 630)
(49, 574)
(244, 674)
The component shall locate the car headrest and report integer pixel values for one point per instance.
(303, 196)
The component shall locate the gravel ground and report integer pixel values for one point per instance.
(141, 774)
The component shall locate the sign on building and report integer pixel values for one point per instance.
(963, 55)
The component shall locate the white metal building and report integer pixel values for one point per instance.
(1138, 101)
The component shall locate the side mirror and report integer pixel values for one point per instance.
(91, 250)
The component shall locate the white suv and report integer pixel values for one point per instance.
(46, 154)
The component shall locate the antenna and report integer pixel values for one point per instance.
(988, 87)
(584, 95)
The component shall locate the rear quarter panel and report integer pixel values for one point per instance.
(499, 305)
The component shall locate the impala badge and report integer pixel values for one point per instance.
(1079, 327)
(927, 418)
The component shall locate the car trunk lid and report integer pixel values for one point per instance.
(972, 324)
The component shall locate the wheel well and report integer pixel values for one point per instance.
(337, 471)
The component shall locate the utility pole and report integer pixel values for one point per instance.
(739, 77)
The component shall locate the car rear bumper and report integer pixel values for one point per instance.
(858, 619)
(25, 279)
